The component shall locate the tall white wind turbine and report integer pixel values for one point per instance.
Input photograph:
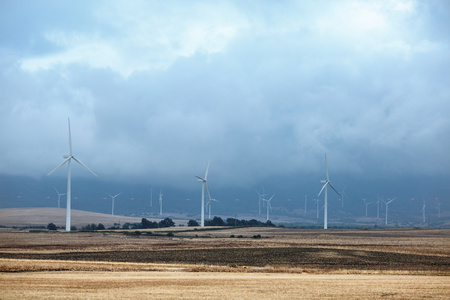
(387, 209)
(112, 204)
(59, 197)
(269, 207)
(326, 183)
(160, 201)
(204, 187)
(424, 206)
(68, 159)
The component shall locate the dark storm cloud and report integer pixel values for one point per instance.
(261, 89)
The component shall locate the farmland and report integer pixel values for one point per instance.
(234, 262)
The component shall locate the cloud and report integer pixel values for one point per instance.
(155, 90)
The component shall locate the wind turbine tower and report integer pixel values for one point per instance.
(326, 183)
(151, 197)
(306, 200)
(59, 197)
(424, 205)
(68, 159)
(204, 187)
(112, 204)
(387, 209)
(317, 206)
(269, 207)
(367, 204)
(160, 202)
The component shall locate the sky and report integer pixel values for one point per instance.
(261, 89)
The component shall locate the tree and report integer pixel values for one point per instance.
(51, 226)
(100, 226)
(148, 224)
(167, 222)
(193, 223)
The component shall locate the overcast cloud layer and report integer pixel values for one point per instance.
(155, 89)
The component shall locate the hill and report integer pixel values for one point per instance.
(41, 216)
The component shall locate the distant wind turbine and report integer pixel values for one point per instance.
(344, 195)
(260, 200)
(326, 183)
(151, 197)
(112, 204)
(204, 187)
(367, 204)
(269, 207)
(387, 208)
(317, 208)
(68, 159)
(160, 202)
(378, 207)
(208, 206)
(59, 197)
(306, 200)
(424, 206)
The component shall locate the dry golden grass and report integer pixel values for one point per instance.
(47, 278)
(184, 285)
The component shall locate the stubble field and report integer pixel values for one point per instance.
(244, 263)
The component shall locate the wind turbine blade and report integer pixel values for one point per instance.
(60, 165)
(326, 166)
(334, 188)
(109, 195)
(200, 179)
(117, 195)
(270, 198)
(322, 188)
(207, 193)
(70, 138)
(207, 168)
(84, 166)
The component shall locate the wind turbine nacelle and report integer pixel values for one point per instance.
(66, 156)
(323, 181)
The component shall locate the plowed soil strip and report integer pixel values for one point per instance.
(316, 258)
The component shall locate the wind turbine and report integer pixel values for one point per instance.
(317, 204)
(68, 159)
(343, 196)
(367, 204)
(208, 206)
(269, 207)
(261, 200)
(204, 187)
(59, 197)
(113, 197)
(424, 205)
(306, 199)
(326, 183)
(151, 197)
(160, 202)
(387, 208)
(378, 207)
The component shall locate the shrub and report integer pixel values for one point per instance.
(192, 223)
(51, 226)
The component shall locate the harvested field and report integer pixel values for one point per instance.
(182, 285)
(268, 263)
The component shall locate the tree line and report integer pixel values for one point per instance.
(218, 221)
